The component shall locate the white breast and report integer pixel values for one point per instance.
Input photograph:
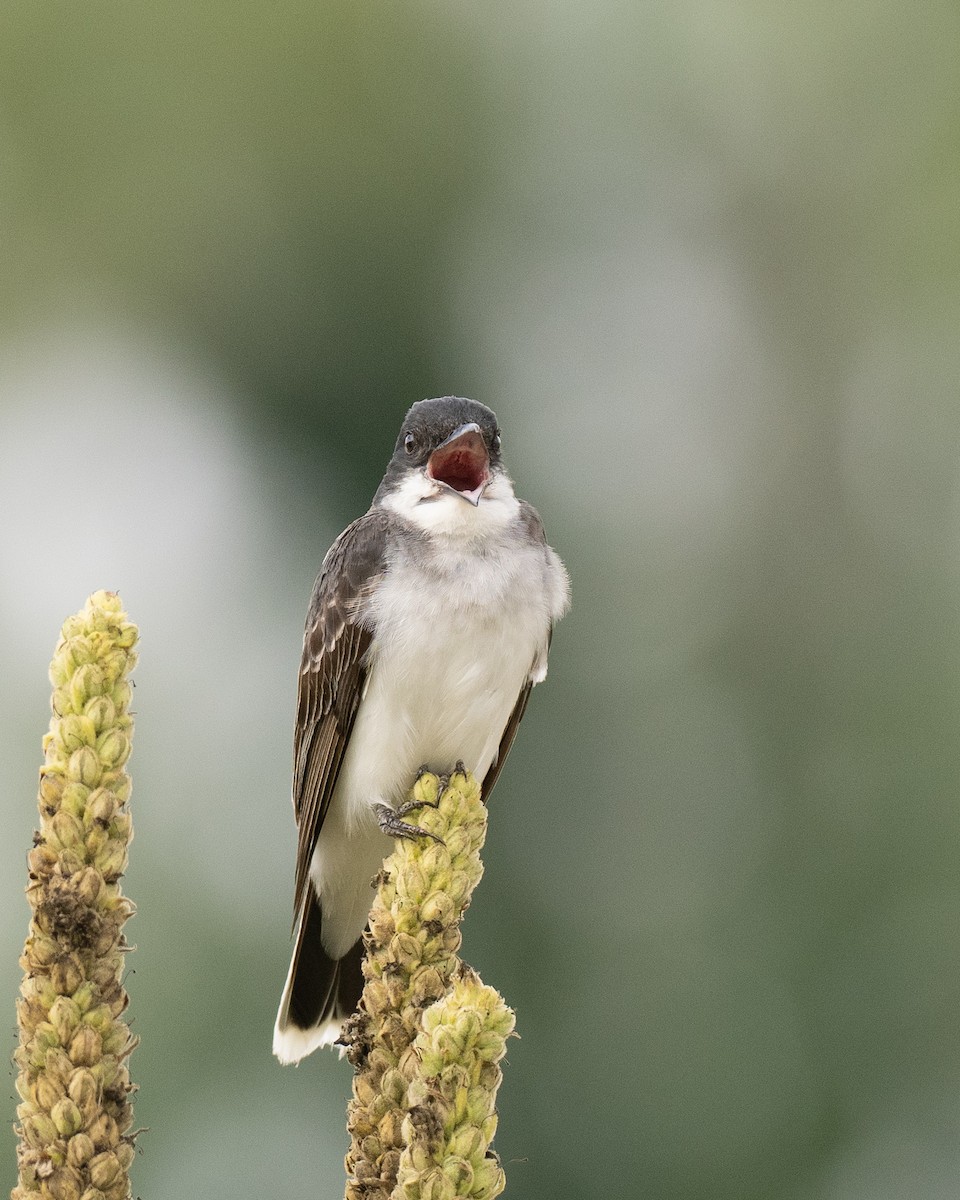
(456, 639)
(462, 621)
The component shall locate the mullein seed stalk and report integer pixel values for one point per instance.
(75, 1115)
(423, 1109)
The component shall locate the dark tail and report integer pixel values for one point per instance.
(320, 993)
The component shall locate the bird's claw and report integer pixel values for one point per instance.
(389, 821)
(410, 805)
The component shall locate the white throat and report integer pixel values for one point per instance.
(436, 509)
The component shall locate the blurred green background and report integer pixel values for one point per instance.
(702, 258)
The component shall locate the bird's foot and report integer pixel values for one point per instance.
(410, 805)
(459, 769)
(389, 820)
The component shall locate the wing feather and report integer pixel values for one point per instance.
(332, 673)
(538, 669)
(506, 741)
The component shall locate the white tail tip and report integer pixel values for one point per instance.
(292, 1044)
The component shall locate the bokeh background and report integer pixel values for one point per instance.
(702, 258)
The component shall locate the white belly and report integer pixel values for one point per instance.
(441, 691)
(445, 670)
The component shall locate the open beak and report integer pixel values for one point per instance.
(462, 463)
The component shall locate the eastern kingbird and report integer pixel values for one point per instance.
(429, 624)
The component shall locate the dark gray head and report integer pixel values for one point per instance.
(454, 440)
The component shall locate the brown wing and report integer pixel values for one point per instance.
(332, 674)
(493, 774)
(534, 527)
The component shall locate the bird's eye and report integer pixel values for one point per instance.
(496, 442)
(409, 443)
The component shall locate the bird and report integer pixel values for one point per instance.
(429, 624)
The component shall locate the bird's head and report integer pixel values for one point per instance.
(446, 446)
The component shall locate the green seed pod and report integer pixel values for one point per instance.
(101, 807)
(65, 830)
(111, 861)
(83, 766)
(96, 841)
(102, 712)
(440, 907)
(435, 1186)
(78, 648)
(408, 923)
(66, 1116)
(118, 1041)
(489, 1179)
(459, 1172)
(45, 1038)
(121, 827)
(85, 1093)
(75, 798)
(113, 747)
(98, 1018)
(38, 1131)
(75, 731)
(87, 683)
(114, 663)
(467, 1142)
(393, 1085)
(411, 884)
(65, 1017)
